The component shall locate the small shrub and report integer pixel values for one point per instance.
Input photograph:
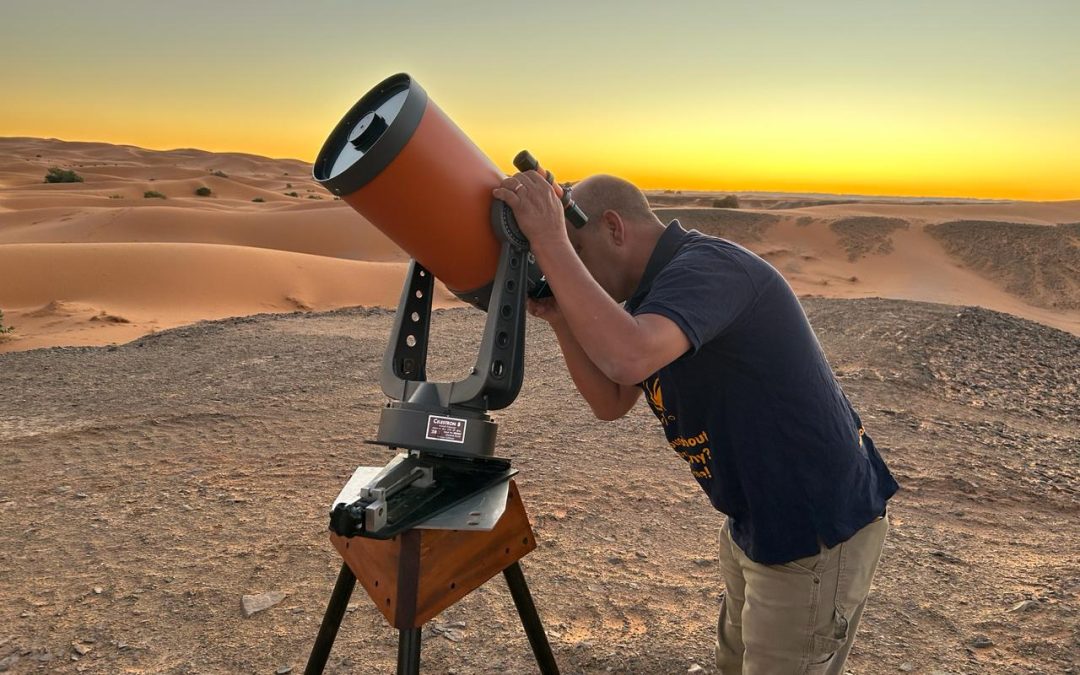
(291, 194)
(58, 175)
(4, 330)
(203, 191)
(259, 200)
(729, 202)
(116, 196)
(219, 174)
(153, 194)
(288, 186)
(314, 197)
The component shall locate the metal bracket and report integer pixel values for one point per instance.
(496, 378)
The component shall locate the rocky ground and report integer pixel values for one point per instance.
(145, 488)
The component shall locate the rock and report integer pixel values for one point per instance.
(283, 670)
(7, 662)
(694, 668)
(81, 650)
(946, 557)
(451, 631)
(250, 604)
(981, 642)
(98, 590)
(907, 667)
(453, 635)
(1025, 606)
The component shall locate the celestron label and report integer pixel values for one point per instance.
(449, 429)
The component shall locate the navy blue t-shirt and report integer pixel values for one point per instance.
(753, 406)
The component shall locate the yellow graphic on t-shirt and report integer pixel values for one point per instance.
(655, 398)
(694, 450)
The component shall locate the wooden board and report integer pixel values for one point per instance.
(419, 573)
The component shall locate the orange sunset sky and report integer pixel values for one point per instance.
(946, 98)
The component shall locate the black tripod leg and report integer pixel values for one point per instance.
(515, 579)
(408, 651)
(335, 610)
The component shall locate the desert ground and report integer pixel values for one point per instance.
(190, 381)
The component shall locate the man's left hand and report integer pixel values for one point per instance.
(538, 212)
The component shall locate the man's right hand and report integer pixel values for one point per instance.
(608, 400)
(546, 309)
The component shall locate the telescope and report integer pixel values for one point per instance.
(398, 160)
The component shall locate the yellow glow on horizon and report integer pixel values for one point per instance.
(835, 96)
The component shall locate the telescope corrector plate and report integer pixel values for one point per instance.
(371, 135)
(388, 110)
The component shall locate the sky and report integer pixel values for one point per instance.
(959, 98)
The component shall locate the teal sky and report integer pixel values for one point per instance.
(956, 98)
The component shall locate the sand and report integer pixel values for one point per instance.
(73, 254)
(148, 487)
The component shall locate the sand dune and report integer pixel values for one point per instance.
(322, 230)
(97, 262)
(85, 294)
(1023, 269)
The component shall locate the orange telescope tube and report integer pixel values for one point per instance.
(399, 161)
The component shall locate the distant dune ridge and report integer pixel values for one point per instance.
(96, 262)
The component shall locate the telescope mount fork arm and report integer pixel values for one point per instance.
(405, 364)
(497, 376)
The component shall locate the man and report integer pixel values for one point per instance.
(718, 342)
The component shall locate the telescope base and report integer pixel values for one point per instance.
(419, 573)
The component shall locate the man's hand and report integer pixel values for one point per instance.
(537, 210)
(546, 309)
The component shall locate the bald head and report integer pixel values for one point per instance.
(600, 193)
(621, 234)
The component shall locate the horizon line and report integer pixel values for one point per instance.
(729, 191)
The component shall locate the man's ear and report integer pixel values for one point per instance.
(613, 224)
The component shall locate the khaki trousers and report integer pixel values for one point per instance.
(799, 617)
